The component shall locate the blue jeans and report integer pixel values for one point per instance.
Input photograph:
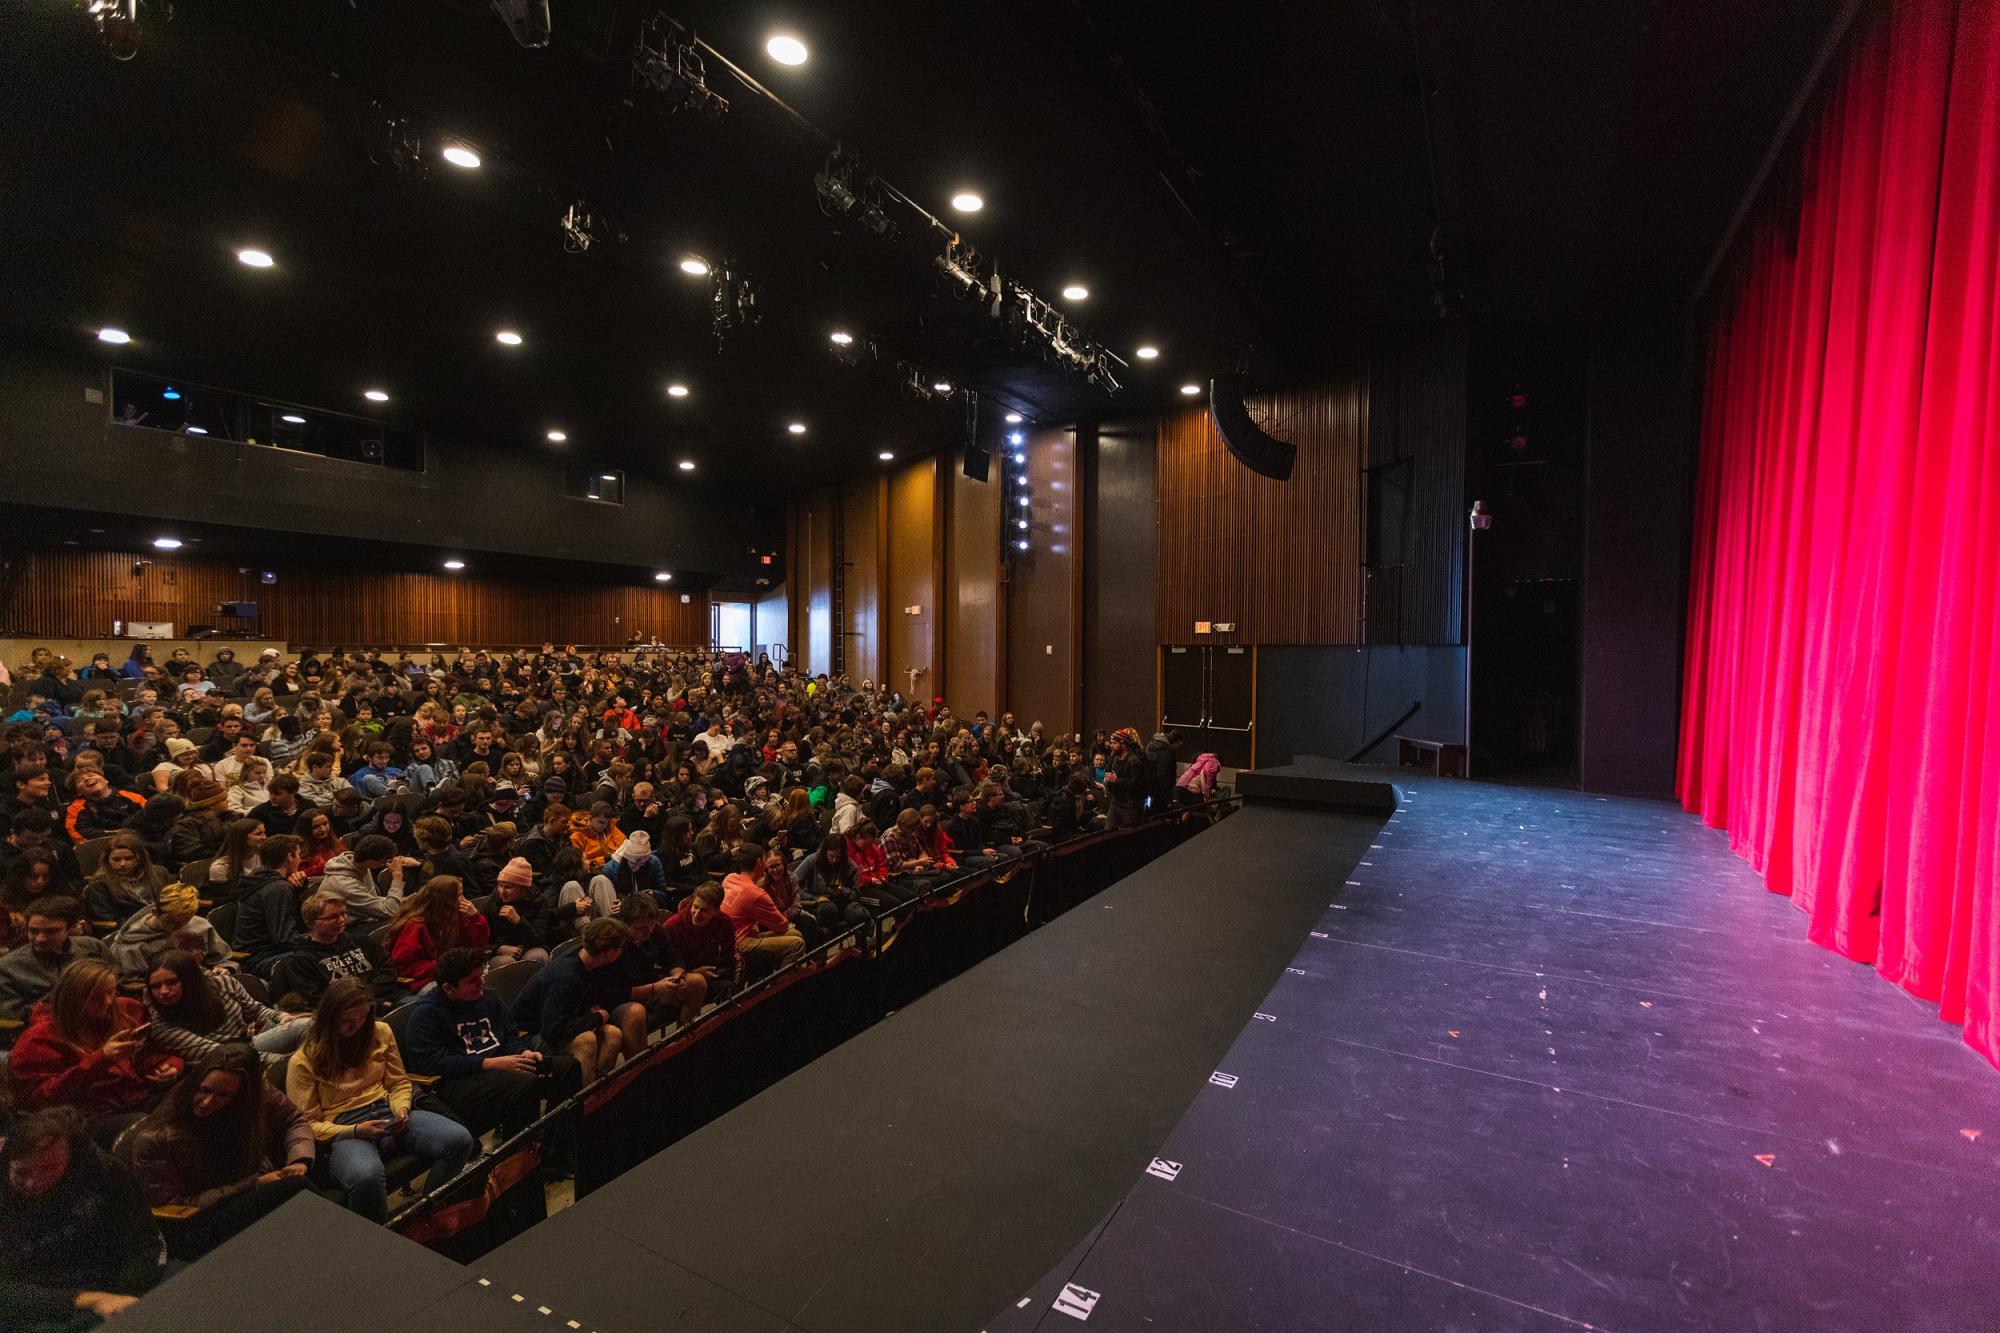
(357, 1165)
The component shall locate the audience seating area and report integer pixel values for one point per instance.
(374, 922)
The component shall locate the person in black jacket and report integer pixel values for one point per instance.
(328, 951)
(556, 1006)
(1002, 823)
(1129, 778)
(77, 1241)
(267, 922)
(486, 1072)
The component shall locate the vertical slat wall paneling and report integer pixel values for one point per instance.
(1279, 560)
(80, 593)
(973, 634)
(861, 504)
(912, 579)
(1418, 381)
(1120, 541)
(814, 596)
(1042, 602)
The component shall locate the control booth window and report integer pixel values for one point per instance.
(148, 402)
(605, 486)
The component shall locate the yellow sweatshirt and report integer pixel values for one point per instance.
(379, 1077)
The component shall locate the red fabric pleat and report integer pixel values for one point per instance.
(1841, 712)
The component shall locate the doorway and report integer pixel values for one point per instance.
(1209, 693)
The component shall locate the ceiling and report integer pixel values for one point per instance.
(1263, 177)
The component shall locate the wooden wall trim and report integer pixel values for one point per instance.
(78, 594)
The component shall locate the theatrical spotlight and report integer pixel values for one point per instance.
(845, 190)
(528, 20)
(732, 302)
(117, 26)
(582, 228)
(389, 140)
(673, 68)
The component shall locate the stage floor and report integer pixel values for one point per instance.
(1551, 1061)
(931, 1169)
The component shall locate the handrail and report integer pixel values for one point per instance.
(433, 1199)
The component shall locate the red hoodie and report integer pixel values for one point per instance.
(871, 864)
(50, 1071)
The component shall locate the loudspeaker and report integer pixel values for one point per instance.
(978, 463)
(1252, 447)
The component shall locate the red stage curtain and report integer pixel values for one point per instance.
(1842, 685)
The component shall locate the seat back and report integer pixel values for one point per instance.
(223, 918)
(90, 853)
(506, 982)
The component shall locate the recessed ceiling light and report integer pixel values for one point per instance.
(797, 428)
(376, 396)
(166, 543)
(118, 336)
(1024, 524)
(509, 337)
(1016, 437)
(687, 465)
(255, 258)
(454, 564)
(677, 391)
(663, 577)
(786, 49)
(1024, 499)
(607, 476)
(293, 418)
(461, 156)
(1147, 353)
(965, 201)
(886, 456)
(1190, 389)
(1013, 418)
(693, 267)
(197, 430)
(1022, 545)
(1076, 291)
(557, 436)
(942, 386)
(842, 336)
(1020, 458)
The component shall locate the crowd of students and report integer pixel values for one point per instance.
(250, 911)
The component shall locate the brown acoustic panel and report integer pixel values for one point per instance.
(812, 522)
(972, 606)
(1043, 595)
(861, 537)
(911, 580)
(1279, 560)
(80, 593)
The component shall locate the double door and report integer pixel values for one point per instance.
(1209, 692)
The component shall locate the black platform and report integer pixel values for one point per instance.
(934, 1167)
(314, 1267)
(1557, 1062)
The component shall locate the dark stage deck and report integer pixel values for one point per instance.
(1552, 1062)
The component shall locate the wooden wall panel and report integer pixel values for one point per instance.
(811, 594)
(1044, 593)
(973, 629)
(861, 544)
(79, 593)
(911, 579)
(1121, 535)
(1278, 559)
